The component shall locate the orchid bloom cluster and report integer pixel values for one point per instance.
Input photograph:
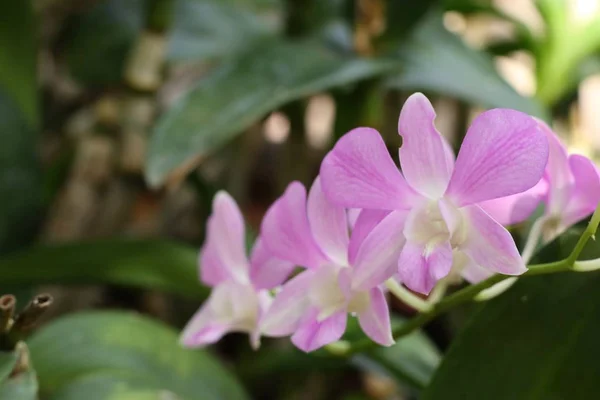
(364, 223)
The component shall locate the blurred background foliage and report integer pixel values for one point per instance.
(119, 119)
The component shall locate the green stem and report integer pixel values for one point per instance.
(468, 293)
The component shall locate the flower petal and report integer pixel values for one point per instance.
(420, 268)
(517, 208)
(223, 255)
(489, 244)
(586, 194)
(359, 173)
(377, 257)
(366, 221)
(329, 224)
(266, 270)
(504, 153)
(289, 306)
(313, 334)
(558, 173)
(426, 163)
(286, 231)
(375, 320)
(230, 307)
(202, 329)
(473, 273)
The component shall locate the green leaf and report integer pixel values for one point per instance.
(21, 387)
(7, 363)
(142, 354)
(238, 94)
(211, 29)
(100, 40)
(412, 360)
(143, 263)
(438, 61)
(106, 386)
(20, 181)
(538, 340)
(18, 57)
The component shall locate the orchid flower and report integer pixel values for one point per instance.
(570, 190)
(504, 152)
(343, 273)
(239, 296)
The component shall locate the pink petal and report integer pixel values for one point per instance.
(490, 245)
(313, 334)
(375, 321)
(517, 208)
(230, 307)
(377, 257)
(473, 273)
(359, 173)
(286, 231)
(267, 271)
(202, 329)
(353, 214)
(289, 306)
(223, 255)
(504, 153)
(366, 221)
(558, 173)
(426, 163)
(420, 269)
(329, 225)
(586, 194)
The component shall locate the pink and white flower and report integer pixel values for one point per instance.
(344, 271)
(239, 296)
(504, 152)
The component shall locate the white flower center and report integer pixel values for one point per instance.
(327, 295)
(434, 223)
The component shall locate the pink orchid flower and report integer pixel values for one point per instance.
(504, 152)
(570, 190)
(239, 296)
(343, 272)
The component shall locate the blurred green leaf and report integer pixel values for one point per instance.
(21, 387)
(538, 340)
(401, 17)
(438, 61)
(204, 30)
(238, 94)
(18, 57)
(131, 353)
(106, 386)
(7, 363)
(20, 181)
(412, 360)
(100, 39)
(144, 263)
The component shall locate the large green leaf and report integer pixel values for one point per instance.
(207, 29)
(238, 94)
(18, 57)
(20, 182)
(131, 353)
(536, 341)
(144, 263)
(21, 387)
(412, 360)
(106, 386)
(438, 61)
(98, 44)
